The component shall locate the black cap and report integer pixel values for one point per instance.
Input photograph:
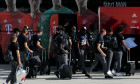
(83, 29)
(26, 27)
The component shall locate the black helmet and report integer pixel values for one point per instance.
(26, 27)
(83, 28)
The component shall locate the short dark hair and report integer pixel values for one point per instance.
(39, 30)
(16, 30)
(25, 28)
(102, 31)
(110, 30)
(13, 38)
(119, 28)
(60, 28)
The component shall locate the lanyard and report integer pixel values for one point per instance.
(101, 37)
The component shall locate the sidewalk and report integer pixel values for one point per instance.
(98, 78)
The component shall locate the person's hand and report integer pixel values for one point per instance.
(70, 48)
(80, 53)
(43, 49)
(128, 49)
(67, 52)
(20, 64)
(104, 54)
(105, 48)
(31, 51)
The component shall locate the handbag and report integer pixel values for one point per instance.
(8, 56)
(20, 73)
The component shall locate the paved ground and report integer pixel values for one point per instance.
(98, 78)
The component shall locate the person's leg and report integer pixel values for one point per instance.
(12, 75)
(73, 60)
(119, 58)
(91, 57)
(37, 53)
(109, 58)
(15, 67)
(65, 59)
(59, 67)
(116, 62)
(95, 62)
(62, 61)
(57, 62)
(82, 60)
(23, 55)
(104, 63)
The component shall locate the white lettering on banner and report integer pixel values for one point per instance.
(114, 4)
(5, 21)
(134, 15)
(133, 27)
(54, 29)
(121, 4)
(8, 28)
(54, 22)
(134, 21)
(108, 4)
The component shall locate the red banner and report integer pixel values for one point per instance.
(110, 17)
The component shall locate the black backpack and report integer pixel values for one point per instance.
(92, 38)
(8, 55)
(30, 43)
(111, 41)
(114, 42)
(65, 42)
(107, 41)
(55, 45)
